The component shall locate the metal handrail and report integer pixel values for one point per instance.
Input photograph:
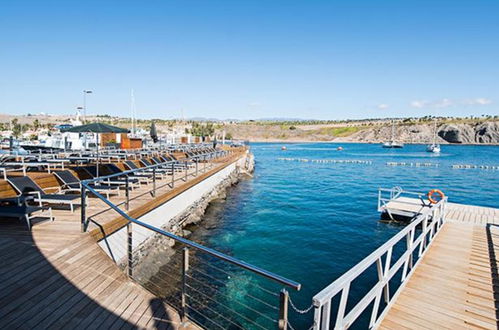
(395, 193)
(220, 255)
(128, 172)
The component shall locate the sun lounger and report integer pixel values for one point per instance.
(72, 183)
(91, 171)
(5, 169)
(17, 207)
(25, 185)
(159, 170)
(145, 172)
(178, 165)
(168, 164)
(140, 178)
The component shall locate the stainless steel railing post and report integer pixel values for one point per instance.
(154, 182)
(215, 253)
(185, 269)
(186, 171)
(283, 309)
(129, 248)
(197, 165)
(173, 174)
(127, 193)
(83, 208)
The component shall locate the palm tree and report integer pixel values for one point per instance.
(153, 133)
(36, 124)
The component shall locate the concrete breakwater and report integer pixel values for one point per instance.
(156, 251)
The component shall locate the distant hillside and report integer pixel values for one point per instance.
(448, 132)
(409, 130)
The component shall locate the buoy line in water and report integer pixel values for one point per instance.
(481, 167)
(412, 164)
(327, 161)
(369, 162)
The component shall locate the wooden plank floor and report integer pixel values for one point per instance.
(455, 285)
(57, 277)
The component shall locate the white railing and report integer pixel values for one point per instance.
(430, 220)
(386, 196)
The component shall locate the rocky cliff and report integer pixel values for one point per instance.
(464, 133)
(487, 132)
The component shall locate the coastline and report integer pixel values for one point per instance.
(158, 251)
(364, 142)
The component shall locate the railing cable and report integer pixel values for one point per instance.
(229, 274)
(242, 304)
(228, 308)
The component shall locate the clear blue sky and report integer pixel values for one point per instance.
(251, 59)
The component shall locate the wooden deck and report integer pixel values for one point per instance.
(58, 277)
(455, 286)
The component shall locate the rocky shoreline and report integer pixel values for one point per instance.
(484, 133)
(159, 251)
(472, 133)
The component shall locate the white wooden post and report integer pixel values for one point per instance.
(342, 307)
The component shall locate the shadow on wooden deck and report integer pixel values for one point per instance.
(493, 265)
(59, 278)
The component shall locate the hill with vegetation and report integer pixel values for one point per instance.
(470, 130)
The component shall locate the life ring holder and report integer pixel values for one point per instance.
(432, 194)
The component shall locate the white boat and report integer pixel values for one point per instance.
(434, 147)
(392, 143)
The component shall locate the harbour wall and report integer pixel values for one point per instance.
(184, 209)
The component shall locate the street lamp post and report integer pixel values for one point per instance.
(78, 113)
(85, 92)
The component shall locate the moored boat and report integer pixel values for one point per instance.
(434, 147)
(392, 143)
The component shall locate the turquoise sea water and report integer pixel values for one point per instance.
(311, 222)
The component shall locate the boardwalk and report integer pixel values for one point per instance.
(455, 285)
(58, 277)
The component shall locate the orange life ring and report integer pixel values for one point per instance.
(432, 196)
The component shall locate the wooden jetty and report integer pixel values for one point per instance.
(56, 276)
(455, 284)
(444, 276)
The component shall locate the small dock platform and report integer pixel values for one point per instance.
(408, 207)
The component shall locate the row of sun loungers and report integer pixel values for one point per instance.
(32, 199)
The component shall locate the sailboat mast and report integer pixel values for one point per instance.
(393, 131)
(435, 132)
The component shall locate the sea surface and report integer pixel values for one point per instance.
(311, 222)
